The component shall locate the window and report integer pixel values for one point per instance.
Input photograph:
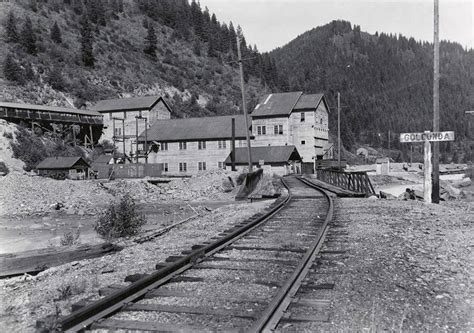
(277, 129)
(164, 146)
(182, 145)
(182, 167)
(118, 131)
(124, 114)
(221, 144)
(302, 117)
(221, 165)
(261, 130)
(321, 120)
(303, 142)
(165, 167)
(201, 145)
(201, 166)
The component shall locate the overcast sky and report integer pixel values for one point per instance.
(273, 23)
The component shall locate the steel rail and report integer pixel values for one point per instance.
(274, 312)
(82, 318)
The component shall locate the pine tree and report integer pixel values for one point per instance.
(150, 41)
(12, 70)
(87, 42)
(28, 37)
(10, 28)
(56, 34)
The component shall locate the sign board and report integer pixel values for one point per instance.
(261, 162)
(426, 137)
(430, 136)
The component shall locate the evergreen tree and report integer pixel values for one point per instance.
(28, 37)
(12, 70)
(10, 28)
(150, 41)
(87, 42)
(55, 78)
(56, 34)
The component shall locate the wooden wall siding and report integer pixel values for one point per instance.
(158, 112)
(303, 131)
(270, 139)
(212, 155)
(321, 131)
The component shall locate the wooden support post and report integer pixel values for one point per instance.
(427, 171)
(92, 137)
(232, 151)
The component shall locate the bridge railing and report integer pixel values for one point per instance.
(353, 181)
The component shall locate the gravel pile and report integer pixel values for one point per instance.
(26, 194)
(209, 185)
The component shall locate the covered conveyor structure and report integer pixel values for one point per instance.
(73, 124)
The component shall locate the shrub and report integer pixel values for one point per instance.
(29, 148)
(70, 238)
(120, 220)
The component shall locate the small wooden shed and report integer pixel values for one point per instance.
(61, 167)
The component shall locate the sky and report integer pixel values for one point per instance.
(273, 23)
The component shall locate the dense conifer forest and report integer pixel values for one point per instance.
(80, 51)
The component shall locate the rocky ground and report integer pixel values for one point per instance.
(25, 194)
(23, 300)
(408, 266)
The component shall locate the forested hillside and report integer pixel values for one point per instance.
(385, 81)
(54, 51)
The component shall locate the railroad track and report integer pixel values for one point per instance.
(243, 279)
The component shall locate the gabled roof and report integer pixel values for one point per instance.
(204, 128)
(103, 159)
(269, 154)
(61, 162)
(277, 104)
(128, 104)
(308, 102)
(48, 108)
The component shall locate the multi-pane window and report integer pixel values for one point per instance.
(165, 167)
(221, 144)
(182, 145)
(118, 131)
(277, 129)
(302, 117)
(221, 165)
(201, 166)
(261, 130)
(164, 146)
(182, 167)
(201, 145)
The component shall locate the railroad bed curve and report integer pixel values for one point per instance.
(243, 283)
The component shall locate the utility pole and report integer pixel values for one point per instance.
(339, 130)
(388, 151)
(435, 175)
(244, 106)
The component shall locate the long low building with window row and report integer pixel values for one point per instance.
(189, 145)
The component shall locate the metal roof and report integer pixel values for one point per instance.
(204, 128)
(128, 104)
(48, 108)
(60, 162)
(277, 104)
(308, 102)
(269, 154)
